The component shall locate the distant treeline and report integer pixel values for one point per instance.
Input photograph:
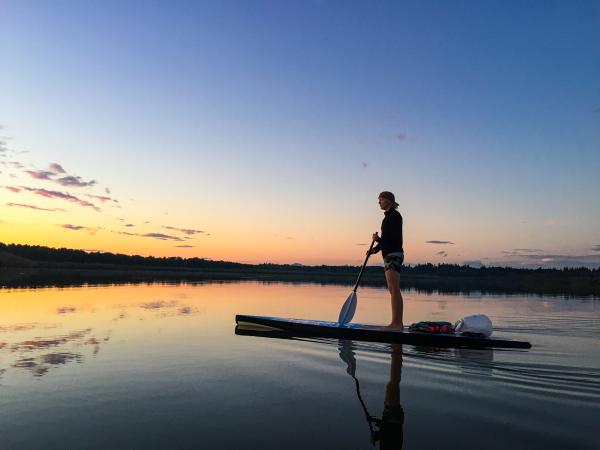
(27, 265)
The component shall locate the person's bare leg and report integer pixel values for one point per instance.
(393, 281)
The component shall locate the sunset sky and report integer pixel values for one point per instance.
(263, 131)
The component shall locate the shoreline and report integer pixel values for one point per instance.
(64, 275)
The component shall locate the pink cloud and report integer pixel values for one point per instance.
(13, 189)
(40, 174)
(22, 205)
(61, 195)
(102, 198)
(75, 181)
(56, 168)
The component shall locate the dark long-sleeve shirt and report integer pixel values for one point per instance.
(391, 234)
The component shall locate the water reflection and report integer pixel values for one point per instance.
(62, 350)
(85, 323)
(25, 327)
(389, 429)
(175, 378)
(169, 308)
(40, 365)
(45, 342)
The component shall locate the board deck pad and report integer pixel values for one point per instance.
(373, 333)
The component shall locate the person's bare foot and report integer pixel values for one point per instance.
(394, 327)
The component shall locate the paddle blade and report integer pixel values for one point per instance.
(348, 309)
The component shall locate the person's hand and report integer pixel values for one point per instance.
(376, 237)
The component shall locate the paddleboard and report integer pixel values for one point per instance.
(373, 333)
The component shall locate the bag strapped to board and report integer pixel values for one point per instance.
(432, 327)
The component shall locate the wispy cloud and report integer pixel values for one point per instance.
(57, 174)
(442, 253)
(595, 248)
(12, 164)
(37, 208)
(521, 251)
(160, 236)
(553, 260)
(3, 147)
(185, 246)
(14, 189)
(56, 168)
(188, 231)
(61, 195)
(439, 242)
(401, 136)
(102, 198)
(40, 174)
(597, 110)
(72, 227)
(68, 226)
(74, 181)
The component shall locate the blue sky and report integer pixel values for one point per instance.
(287, 119)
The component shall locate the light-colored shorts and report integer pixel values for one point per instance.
(393, 261)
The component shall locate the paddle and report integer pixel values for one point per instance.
(349, 306)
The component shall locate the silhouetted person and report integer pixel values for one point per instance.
(391, 246)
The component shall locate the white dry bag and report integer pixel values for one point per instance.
(476, 324)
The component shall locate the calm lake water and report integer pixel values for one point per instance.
(154, 366)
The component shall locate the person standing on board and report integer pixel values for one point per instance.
(390, 244)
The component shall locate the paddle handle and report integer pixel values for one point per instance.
(363, 266)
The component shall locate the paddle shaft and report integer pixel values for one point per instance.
(364, 265)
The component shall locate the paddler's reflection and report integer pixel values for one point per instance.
(389, 430)
(391, 426)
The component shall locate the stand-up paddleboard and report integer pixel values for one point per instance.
(373, 333)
